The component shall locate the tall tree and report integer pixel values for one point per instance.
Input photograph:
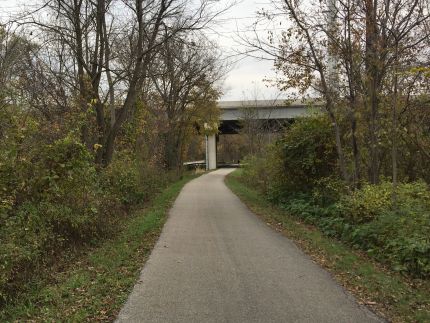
(184, 73)
(107, 47)
(374, 44)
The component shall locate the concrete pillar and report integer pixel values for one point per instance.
(211, 152)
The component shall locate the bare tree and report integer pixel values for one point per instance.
(184, 73)
(374, 45)
(256, 125)
(15, 52)
(106, 48)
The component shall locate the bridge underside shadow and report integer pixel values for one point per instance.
(232, 151)
(230, 127)
(270, 116)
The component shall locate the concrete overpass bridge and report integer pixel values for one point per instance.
(235, 112)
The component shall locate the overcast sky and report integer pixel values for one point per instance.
(245, 78)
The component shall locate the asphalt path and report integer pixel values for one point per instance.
(216, 261)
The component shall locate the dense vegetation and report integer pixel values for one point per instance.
(299, 172)
(99, 103)
(55, 200)
(94, 285)
(359, 168)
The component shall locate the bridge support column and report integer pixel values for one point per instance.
(210, 152)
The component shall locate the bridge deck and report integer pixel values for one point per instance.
(262, 110)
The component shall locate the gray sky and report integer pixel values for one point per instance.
(245, 79)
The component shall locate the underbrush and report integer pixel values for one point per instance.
(299, 173)
(54, 201)
(93, 285)
(366, 219)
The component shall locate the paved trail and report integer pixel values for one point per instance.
(217, 262)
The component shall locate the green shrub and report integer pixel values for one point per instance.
(132, 182)
(366, 219)
(396, 235)
(308, 153)
(35, 235)
(54, 200)
(328, 190)
(121, 180)
(371, 201)
(367, 203)
(255, 171)
(56, 204)
(398, 239)
(300, 160)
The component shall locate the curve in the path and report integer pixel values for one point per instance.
(217, 262)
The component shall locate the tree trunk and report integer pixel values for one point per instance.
(394, 132)
(171, 155)
(355, 151)
(372, 83)
(339, 149)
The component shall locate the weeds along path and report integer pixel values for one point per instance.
(217, 262)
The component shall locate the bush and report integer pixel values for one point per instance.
(367, 203)
(299, 173)
(371, 201)
(328, 190)
(54, 200)
(399, 236)
(400, 240)
(56, 203)
(121, 181)
(366, 219)
(301, 160)
(133, 182)
(308, 153)
(255, 171)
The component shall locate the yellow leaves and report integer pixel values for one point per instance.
(92, 103)
(210, 128)
(418, 70)
(97, 147)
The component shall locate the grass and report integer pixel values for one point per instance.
(97, 284)
(391, 295)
